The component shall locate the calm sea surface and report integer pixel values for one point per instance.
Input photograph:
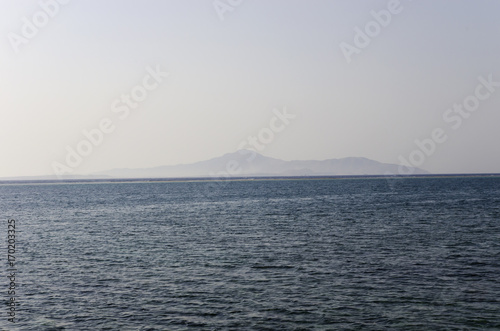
(341, 254)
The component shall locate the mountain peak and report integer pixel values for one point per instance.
(245, 162)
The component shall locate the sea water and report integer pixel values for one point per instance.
(323, 254)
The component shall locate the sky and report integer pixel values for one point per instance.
(87, 86)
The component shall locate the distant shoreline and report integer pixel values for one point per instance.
(232, 179)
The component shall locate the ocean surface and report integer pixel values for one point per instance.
(323, 254)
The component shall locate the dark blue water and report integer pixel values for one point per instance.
(344, 254)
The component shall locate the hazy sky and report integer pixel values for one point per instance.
(231, 66)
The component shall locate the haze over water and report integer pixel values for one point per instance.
(405, 254)
(131, 107)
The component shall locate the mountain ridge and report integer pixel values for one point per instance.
(245, 163)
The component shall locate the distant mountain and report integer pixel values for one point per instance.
(246, 163)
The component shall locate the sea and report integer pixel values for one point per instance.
(418, 253)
